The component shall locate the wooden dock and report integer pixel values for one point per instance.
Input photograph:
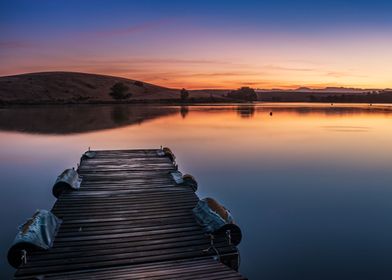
(130, 220)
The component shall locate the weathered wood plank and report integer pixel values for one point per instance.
(129, 220)
(184, 269)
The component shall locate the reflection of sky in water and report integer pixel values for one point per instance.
(309, 185)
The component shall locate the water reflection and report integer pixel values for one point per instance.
(246, 111)
(184, 111)
(309, 186)
(77, 119)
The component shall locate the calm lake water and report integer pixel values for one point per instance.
(310, 186)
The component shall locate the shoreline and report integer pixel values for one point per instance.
(181, 103)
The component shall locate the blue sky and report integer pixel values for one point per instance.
(46, 35)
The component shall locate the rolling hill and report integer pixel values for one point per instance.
(73, 87)
(84, 88)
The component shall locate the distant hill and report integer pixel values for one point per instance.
(344, 90)
(328, 94)
(83, 88)
(71, 87)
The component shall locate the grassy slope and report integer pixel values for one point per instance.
(60, 87)
(72, 87)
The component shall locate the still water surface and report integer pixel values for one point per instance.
(310, 185)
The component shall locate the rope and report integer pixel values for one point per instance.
(239, 257)
(24, 256)
(228, 236)
(212, 247)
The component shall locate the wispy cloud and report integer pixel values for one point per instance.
(285, 68)
(4, 45)
(137, 28)
(165, 61)
(341, 74)
(181, 61)
(214, 74)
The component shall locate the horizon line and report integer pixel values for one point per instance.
(295, 87)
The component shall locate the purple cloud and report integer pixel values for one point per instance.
(15, 45)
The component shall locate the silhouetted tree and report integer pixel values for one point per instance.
(244, 93)
(120, 91)
(184, 94)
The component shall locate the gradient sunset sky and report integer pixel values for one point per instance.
(203, 44)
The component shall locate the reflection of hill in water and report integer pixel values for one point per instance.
(326, 110)
(77, 119)
(246, 111)
(86, 118)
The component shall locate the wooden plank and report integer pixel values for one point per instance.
(184, 269)
(129, 220)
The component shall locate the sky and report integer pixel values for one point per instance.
(203, 44)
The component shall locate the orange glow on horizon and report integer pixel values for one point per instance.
(226, 65)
